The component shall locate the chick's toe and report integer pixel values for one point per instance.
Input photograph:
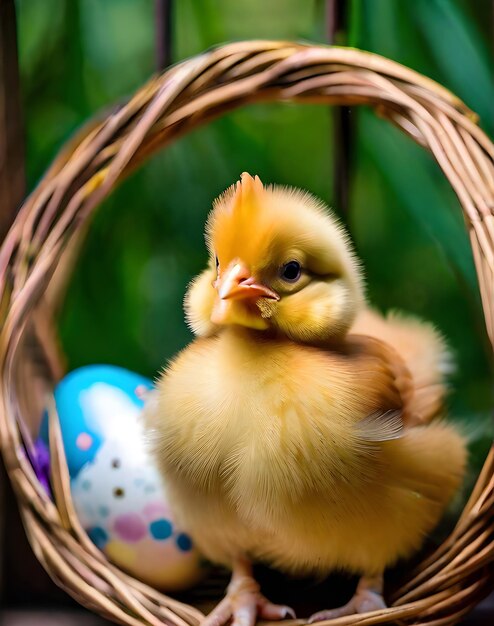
(243, 603)
(367, 598)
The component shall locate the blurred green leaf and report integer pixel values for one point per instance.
(422, 189)
(461, 56)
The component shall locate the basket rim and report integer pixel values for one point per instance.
(53, 218)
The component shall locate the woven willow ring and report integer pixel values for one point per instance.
(36, 253)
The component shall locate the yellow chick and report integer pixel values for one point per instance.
(296, 429)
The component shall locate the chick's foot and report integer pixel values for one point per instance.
(368, 597)
(244, 602)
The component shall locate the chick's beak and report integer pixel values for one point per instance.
(237, 283)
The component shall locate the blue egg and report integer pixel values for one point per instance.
(81, 432)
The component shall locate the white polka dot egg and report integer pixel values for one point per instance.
(117, 490)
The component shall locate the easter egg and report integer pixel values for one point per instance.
(118, 493)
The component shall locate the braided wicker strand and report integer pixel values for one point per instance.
(36, 256)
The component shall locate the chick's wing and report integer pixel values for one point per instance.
(384, 380)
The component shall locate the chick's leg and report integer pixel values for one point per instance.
(368, 597)
(244, 602)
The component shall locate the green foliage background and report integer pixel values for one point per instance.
(124, 302)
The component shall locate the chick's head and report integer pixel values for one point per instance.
(279, 262)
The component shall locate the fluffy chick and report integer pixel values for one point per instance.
(296, 429)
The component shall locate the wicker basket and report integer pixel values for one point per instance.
(38, 250)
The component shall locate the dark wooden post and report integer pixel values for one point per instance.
(23, 580)
(163, 21)
(337, 27)
(12, 182)
(12, 177)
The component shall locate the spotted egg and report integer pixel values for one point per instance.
(118, 493)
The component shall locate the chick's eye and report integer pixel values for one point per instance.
(217, 262)
(291, 271)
